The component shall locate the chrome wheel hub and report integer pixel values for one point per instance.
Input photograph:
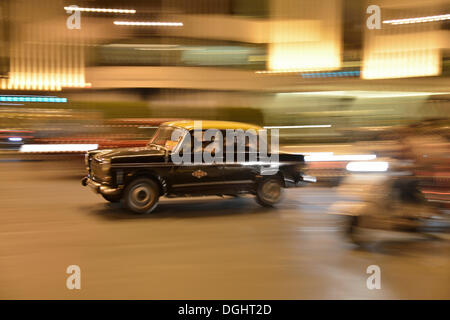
(141, 195)
(271, 191)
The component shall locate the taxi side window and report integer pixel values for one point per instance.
(250, 143)
(238, 150)
(200, 145)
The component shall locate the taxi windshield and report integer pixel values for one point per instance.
(167, 137)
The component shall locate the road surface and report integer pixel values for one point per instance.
(194, 248)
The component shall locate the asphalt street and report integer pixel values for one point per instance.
(195, 248)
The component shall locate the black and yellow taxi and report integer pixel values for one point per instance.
(194, 158)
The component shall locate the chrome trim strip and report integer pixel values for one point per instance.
(124, 165)
(146, 164)
(213, 183)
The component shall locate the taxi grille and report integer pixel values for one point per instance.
(95, 170)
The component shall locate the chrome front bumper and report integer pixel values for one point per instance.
(100, 188)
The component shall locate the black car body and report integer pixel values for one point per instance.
(139, 176)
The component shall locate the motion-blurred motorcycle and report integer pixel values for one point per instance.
(382, 201)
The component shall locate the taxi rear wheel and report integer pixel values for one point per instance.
(269, 192)
(141, 196)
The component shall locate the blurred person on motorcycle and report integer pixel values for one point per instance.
(392, 200)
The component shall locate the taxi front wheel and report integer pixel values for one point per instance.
(269, 192)
(141, 196)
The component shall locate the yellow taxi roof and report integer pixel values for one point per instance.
(212, 124)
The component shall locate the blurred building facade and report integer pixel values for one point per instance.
(234, 44)
(232, 59)
(407, 48)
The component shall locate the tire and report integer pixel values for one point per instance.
(111, 198)
(269, 192)
(141, 196)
